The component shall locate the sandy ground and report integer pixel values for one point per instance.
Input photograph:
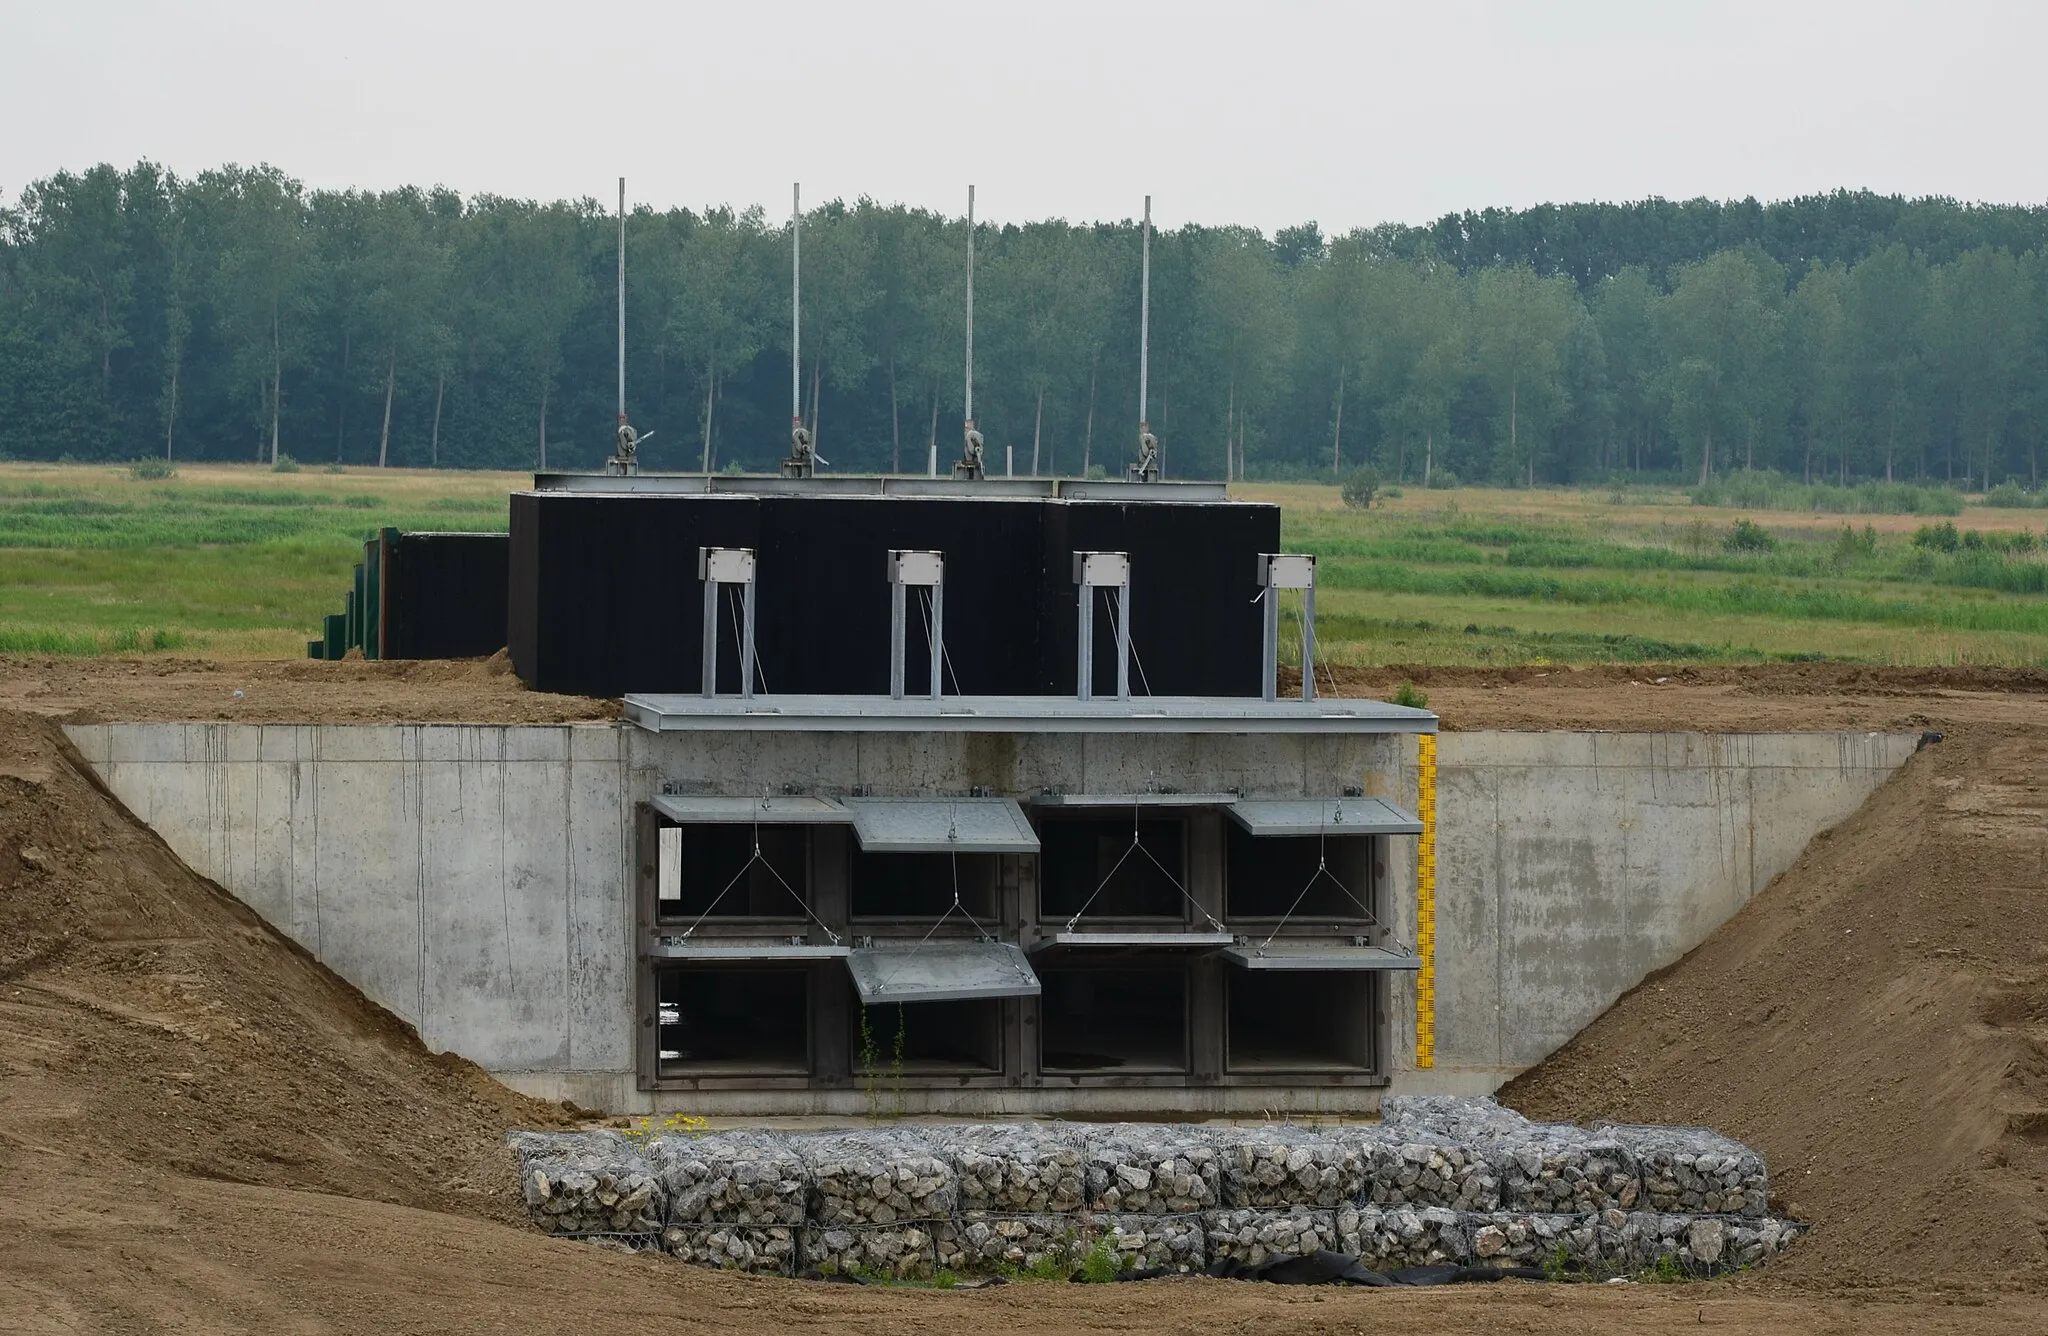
(201, 1130)
(1788, 697)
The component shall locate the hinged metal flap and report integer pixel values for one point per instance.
(718, 809)
(1317, 955)
(1134, 800)
(940, 971)
(1323, 816)
(941, 825)
(720, 952)
(1132, 941)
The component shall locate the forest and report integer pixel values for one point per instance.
(237, 315)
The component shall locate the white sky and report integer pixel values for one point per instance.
(1266, 114)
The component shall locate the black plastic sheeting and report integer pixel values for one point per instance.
(1334, 1268)
(605, 597)
(445, 595)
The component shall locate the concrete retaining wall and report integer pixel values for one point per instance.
(474, 879)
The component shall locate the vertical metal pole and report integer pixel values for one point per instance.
(1085, 634)
(1123, 636)
(1269, 646)
(747, 640)
(938, 646)
(898, 630)
(1145, 315)
(970, 308)
(1308, 641)
(622, 299)
(710, 636)
(796, 318)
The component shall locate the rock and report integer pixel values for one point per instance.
(1692, 1169)
(884, 1177)
(1707, 1238)
(905, 1252)
(589, 1183)
(768, 1251)
(734, 1178)
(983, 1242)
(1134, 1168)
(1254, 1236)
(34, 859)
(1148, 1242)
(1275, 1166)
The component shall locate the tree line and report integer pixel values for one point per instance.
(238, 315)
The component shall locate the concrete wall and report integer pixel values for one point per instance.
(1573, 864)
(475, 879)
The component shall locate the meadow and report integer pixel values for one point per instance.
(227, 561)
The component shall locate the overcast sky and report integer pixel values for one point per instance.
(1349, 114)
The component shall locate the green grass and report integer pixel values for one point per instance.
(226, 561)
(1508, 578)
(239, 561)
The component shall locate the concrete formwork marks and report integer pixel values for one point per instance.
(1573, 864)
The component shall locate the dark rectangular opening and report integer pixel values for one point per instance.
(1301, 1020)
(722, 878)
(1088, 865)
(924, 1037)
(1107, 1021)
(922, 885)
(1296, 876)
(740, 1021)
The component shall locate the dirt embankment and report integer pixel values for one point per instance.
(1634, 698)
(202, 1130)
(1876, 1021)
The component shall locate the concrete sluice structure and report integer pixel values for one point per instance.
(1044, 897)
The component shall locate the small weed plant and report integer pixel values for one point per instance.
(152, 470)
(1409, 696)
(1100, 1266)
(284, 464)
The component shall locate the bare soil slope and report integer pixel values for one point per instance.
(150, 1022)
(201, 1130)
(1876, 1021)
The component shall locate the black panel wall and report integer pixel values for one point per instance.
(608, 585)
(445, 595)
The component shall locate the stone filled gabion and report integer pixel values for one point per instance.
(734, 1178)
(882, 1177)
(1515, 1238)
(1693, 1170)
(1277, 1166)
(901, 1252)
(1697, 1243)
(1020, 1169)
(1148, 1170)
(588, 1183)
(1413, 1165)
(1251, 1236)
(1562, 1169)
(1412, 1236)
(769, 1250)
(1464, 1118)
(981, 1242)
(1154, 1242)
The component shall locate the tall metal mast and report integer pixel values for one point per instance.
(970, 308)
(622, 299)
(1146, 469)
(1144, 313)
(626, 452)
(970, 465)
(803, 459)
(796, 319)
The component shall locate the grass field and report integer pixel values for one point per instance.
(240, 562)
